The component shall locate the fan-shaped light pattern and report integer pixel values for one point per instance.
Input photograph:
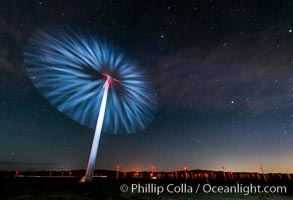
(68, 67)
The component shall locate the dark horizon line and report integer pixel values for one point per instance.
(145, 171)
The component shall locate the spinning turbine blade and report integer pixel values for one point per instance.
(79, 75)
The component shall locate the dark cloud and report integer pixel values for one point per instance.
(11, 50)
(229, 78)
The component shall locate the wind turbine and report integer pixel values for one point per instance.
(90, 81)
(262, 171)
(223, 169)
(185, 172)
(289, 176)
(152, 171)
(117, 173)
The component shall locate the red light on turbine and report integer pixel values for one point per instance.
(104, 74)
(110, 78)
(116, 80)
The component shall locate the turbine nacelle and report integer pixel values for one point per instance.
(109, 78)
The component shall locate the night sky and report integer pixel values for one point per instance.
(222, 71)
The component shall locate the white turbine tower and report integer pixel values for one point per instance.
(93, 155)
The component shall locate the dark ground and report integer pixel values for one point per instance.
(69, 188)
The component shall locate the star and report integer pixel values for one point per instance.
(285, 133)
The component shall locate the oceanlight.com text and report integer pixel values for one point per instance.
(184, 188)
